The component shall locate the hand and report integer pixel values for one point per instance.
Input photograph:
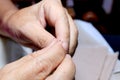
(40, 65)
(28, 25)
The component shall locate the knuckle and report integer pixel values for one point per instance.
(45, 68)
(31, 56)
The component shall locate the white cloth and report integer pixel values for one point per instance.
(11, 51)
(94, 63)
(116, 73)
(94, 58)
(89, 35)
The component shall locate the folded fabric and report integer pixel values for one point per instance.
(94, 58)
(116, 72)
(94, 63)
(89, 35)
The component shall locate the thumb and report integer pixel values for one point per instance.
(65, 71)
(35, 66)
(36, 38)
(41, 63)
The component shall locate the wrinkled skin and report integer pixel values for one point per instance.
(28, 25)
(40, 65)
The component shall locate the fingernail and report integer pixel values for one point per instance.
(65, 46)
(68, 56)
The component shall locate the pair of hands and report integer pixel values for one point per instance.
(50, 63)
(28, 27)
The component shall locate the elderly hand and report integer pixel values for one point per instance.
(40, 65)
(28, 25)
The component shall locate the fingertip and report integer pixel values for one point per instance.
(65, 45)
(69, 59)
(66, 70)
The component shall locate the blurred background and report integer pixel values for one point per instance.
(103, 14)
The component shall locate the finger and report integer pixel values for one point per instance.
(42, 65)
(56, 16)
(73, 35)
(62, 30)
(38, 37)
(65, 71)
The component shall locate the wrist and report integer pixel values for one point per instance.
(7, 9)
(7, 15)
(4, 21)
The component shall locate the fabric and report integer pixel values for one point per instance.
(94, 63)
(89, 35)
(116, 72)
(11, 51)
(94, 58)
